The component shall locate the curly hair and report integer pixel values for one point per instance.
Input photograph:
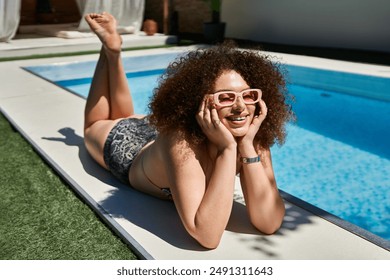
(175, 101)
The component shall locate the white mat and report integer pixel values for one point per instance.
(66, 31)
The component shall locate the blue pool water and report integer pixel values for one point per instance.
(141, 85)
(337, 155)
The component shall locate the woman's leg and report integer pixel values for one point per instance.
(109, 98)
(98, 101)
(109, 89)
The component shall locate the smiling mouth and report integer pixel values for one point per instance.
(236, 119)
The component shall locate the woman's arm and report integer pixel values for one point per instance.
(264, 203)
(265, 206)
(204, 205)
(202, 179)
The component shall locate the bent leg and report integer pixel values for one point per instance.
(120, 97)
(109, 99)
(97, 122)
(98, 101)
(120, 100)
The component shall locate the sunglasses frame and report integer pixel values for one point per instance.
(236, 95)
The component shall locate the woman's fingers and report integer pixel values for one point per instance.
(201, 112)
(207, 115)
(214, 117)
(257, 120)
(263, 110)
(201, 108)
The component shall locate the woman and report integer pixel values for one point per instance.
(213, 123)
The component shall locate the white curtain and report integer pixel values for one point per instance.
(127, 12)
(9, 19)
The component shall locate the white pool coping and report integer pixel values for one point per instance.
(51, 119)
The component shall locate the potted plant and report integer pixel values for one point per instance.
(214, 31)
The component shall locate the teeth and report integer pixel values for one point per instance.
(238, 119)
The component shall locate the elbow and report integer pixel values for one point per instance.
(209, 243)
(270, 228)
(270, 225)
(207, 240)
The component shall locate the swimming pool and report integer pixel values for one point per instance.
(336, 156)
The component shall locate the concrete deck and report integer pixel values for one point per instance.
(51, 119)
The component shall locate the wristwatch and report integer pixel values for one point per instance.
(250, 160)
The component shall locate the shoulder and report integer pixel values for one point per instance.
(185, 166)
(178, 151)
(174, 143)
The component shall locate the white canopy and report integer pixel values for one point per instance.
(9, 19)
(129, 14)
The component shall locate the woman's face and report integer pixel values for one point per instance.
(238, 117)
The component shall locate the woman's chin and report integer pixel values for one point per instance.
(238, 132)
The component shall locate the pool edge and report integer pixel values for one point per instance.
(348, 226)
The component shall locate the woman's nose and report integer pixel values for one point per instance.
(239, 104)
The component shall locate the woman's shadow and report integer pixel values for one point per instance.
(157, 216)
(160, 217)
(89, 165)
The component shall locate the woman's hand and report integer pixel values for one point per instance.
(210, 123)
(247, 140)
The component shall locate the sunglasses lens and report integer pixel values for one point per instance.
(250, 96)
(226, 98)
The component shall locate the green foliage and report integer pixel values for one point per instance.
(215, 5)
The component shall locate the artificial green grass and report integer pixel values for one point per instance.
(40, 216)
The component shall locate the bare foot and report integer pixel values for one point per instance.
(104, 26)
